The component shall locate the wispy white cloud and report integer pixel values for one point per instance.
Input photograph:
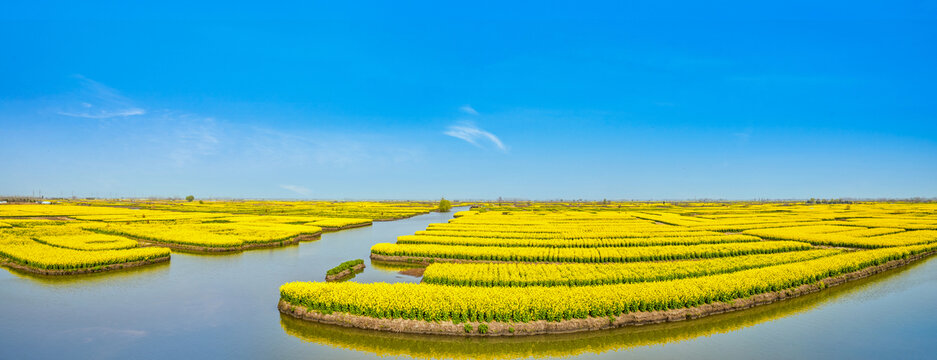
(94, 100)
(468, 110)
(297, 189)
(472, 134)
(104, 114)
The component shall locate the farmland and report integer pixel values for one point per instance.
(79, 237)
(507, 270)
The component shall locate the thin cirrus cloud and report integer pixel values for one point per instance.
(297, 189)
(468, 110)
(98, 101)
(474, 135)
(104, 114)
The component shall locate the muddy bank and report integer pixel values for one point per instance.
(345, 273)
(403, 217)
(15, 265)
(426, 261)
(210, 249)
(415, 272)
(419, 260)
(340, 228)
(588, 324)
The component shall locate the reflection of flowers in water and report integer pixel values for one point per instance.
(394, 266)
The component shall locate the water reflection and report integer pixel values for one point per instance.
(563, 345)
(393, 267)
(94, 278)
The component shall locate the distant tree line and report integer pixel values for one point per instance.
(813, 201)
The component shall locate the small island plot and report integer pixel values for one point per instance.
(69, 250)
(345, 270)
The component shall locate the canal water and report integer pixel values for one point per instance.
(224, 306)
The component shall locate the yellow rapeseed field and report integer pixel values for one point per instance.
(86, 234)
(521, 262)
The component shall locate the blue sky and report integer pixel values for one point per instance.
(537, 100)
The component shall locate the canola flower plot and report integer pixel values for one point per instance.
(562, 232)
(574, 274)
(429, 302)
(211, 236)
(575, 242)
(71, 237)
(321, 209)
(516, 268)
(27, 254)
(596, 254)
(861, 238)
(916, 223)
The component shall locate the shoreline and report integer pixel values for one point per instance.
(209, 249)
(346, 227)
(588, 324)
(56, 272)
(402, 217)
(426, 261)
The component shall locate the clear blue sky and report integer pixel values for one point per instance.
(539, 100)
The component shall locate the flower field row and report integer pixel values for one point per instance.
(569, 234)
(576, 274)
(576, 242)
(862, 238)
(324, 209)
(600, 254)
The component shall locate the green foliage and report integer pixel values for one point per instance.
(444, 205)
(189, 198)
(468, 328)
(344, 266)
(483, 328)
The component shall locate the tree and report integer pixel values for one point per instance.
(444, 205)
(189, 198)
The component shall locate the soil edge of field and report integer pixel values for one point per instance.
(34, 270)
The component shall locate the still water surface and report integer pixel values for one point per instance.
(224, 306)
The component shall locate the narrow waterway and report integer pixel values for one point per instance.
(224, 306)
